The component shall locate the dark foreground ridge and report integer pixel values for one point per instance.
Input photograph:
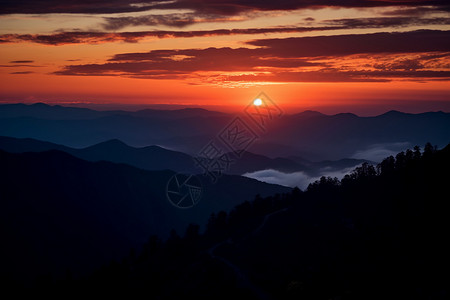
(380, 233)
(61, 213)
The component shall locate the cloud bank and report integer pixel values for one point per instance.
(223, 7)
(296, 179)
(414, 55)
(181, 20)
(378, 152)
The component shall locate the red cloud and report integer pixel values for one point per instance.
(291, 59)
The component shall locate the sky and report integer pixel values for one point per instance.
(365, 56)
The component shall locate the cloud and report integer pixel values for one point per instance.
(223, 7)
(77, 6)
(185, 19)
(174, 20)
(95, 37)
(378, 152)
(299, 179)
(339, 45)
(77, 37)
(21, 61)
(22, 73)
(382, 22)
(416, 11)
(17, 65)
(186, 61)
(362, 58)
(340, 76)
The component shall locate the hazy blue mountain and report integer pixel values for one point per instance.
(157, 158)
(53, 112)
(63, 212)
(149, 158)
(310, 134)
(318, 137)
(136, 131)
(58, 112)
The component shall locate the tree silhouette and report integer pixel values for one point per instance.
(374, 235)
(387, 166)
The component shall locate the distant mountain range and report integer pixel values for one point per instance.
(316, 135)
(310, 135)
(79, 187)
(148, 158)
(58, 112)
(82, 127)
(63, 212)
(158, 158)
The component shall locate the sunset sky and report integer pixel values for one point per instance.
(352, 55)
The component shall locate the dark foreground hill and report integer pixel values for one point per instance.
(377, 234)
(151, 158)
(59, 212)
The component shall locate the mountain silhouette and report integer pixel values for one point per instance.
(149, 158)
(59, 211)
(332, 137)
(58, 112)
(310, 134)
(378, 233)
(158, 158)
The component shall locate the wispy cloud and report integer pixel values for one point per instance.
(21, 73)
(95, 37)
(21, 61)
(299, 179)
(378, 152)
(172, 19)
(224, 7)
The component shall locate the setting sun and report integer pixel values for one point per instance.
(257, 102)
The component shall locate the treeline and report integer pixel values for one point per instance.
(380, 232)
(386, 168)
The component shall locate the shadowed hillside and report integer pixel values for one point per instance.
(62, 212)
(378, 233)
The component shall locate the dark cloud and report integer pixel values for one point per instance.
(182, 20)
(21, 61)
(397, 42)
(77, 37)
(59, 38)
(417, 11)
(306, 59)
(22, 73)
(222, 7)
(182, 62)
(76, 6)
(18, 65)
(402, 64)
(234, 7)
(358, 23)
(341, 76)
(174, 20)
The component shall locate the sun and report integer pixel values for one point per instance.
(257, 102)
